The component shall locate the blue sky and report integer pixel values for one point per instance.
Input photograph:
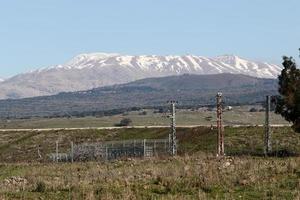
(35, 33)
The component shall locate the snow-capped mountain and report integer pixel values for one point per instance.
(87, 71)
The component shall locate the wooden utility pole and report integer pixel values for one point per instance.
(172, 135)
(268, 144)
(220, 148)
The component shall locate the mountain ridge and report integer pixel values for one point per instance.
(188, 90)
(88, 71)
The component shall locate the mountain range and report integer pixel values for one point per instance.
(88, 71)
(188, 90)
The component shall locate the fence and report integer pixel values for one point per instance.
(113, 150)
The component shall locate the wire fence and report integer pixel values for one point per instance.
(112, 150)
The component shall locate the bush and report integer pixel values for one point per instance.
(125, 122)
(40, 187)
(143, 113)
(161, 110)
(253, 110)
(208, 118)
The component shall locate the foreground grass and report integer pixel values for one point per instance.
(198, 176)
(194, 174)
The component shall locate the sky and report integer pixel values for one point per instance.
(35, 33)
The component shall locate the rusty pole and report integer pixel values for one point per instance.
(220, 148)
(172, 135)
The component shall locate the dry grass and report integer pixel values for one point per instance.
(199, 176)
(23, 147)
(240, 116)
(195, 174)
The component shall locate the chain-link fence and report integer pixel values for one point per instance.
(113, 150)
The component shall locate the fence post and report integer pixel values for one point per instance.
(144, 144)
(56, 151)
(39, 152)
(166, 147)
(134, 148)
(154, 147)
(72, 151)
(268, 144)
(106, 152)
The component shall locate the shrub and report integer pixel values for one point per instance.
(143, 113)
(40, 187)
(253, 110)
(125, 122)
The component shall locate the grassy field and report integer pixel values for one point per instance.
(194, 174)
(200, 176)
(23, 146)
(238, 116)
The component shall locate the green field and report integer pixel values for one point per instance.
(238, 116)
(194, 174)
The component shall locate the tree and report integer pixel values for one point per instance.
(288, 102)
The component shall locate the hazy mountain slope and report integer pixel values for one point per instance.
(89, 71)
(188, 90)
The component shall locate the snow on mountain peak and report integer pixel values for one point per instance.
(153, 65)
(87, 71)
(83, 58)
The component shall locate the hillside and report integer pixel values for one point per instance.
(21, 146)
(88, 71)
(195, 174)
(188, 90)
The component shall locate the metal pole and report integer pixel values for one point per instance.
(220, 149)
(144, 144)
(268, 144)
(166, 149)
(56, 151)
(172, 136)
(154, 147)
(72, 152)
(133, 147)
(39, 152)
(106, 152)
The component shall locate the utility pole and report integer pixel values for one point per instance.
(220, 148)
(268, 144)
(172, 135)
